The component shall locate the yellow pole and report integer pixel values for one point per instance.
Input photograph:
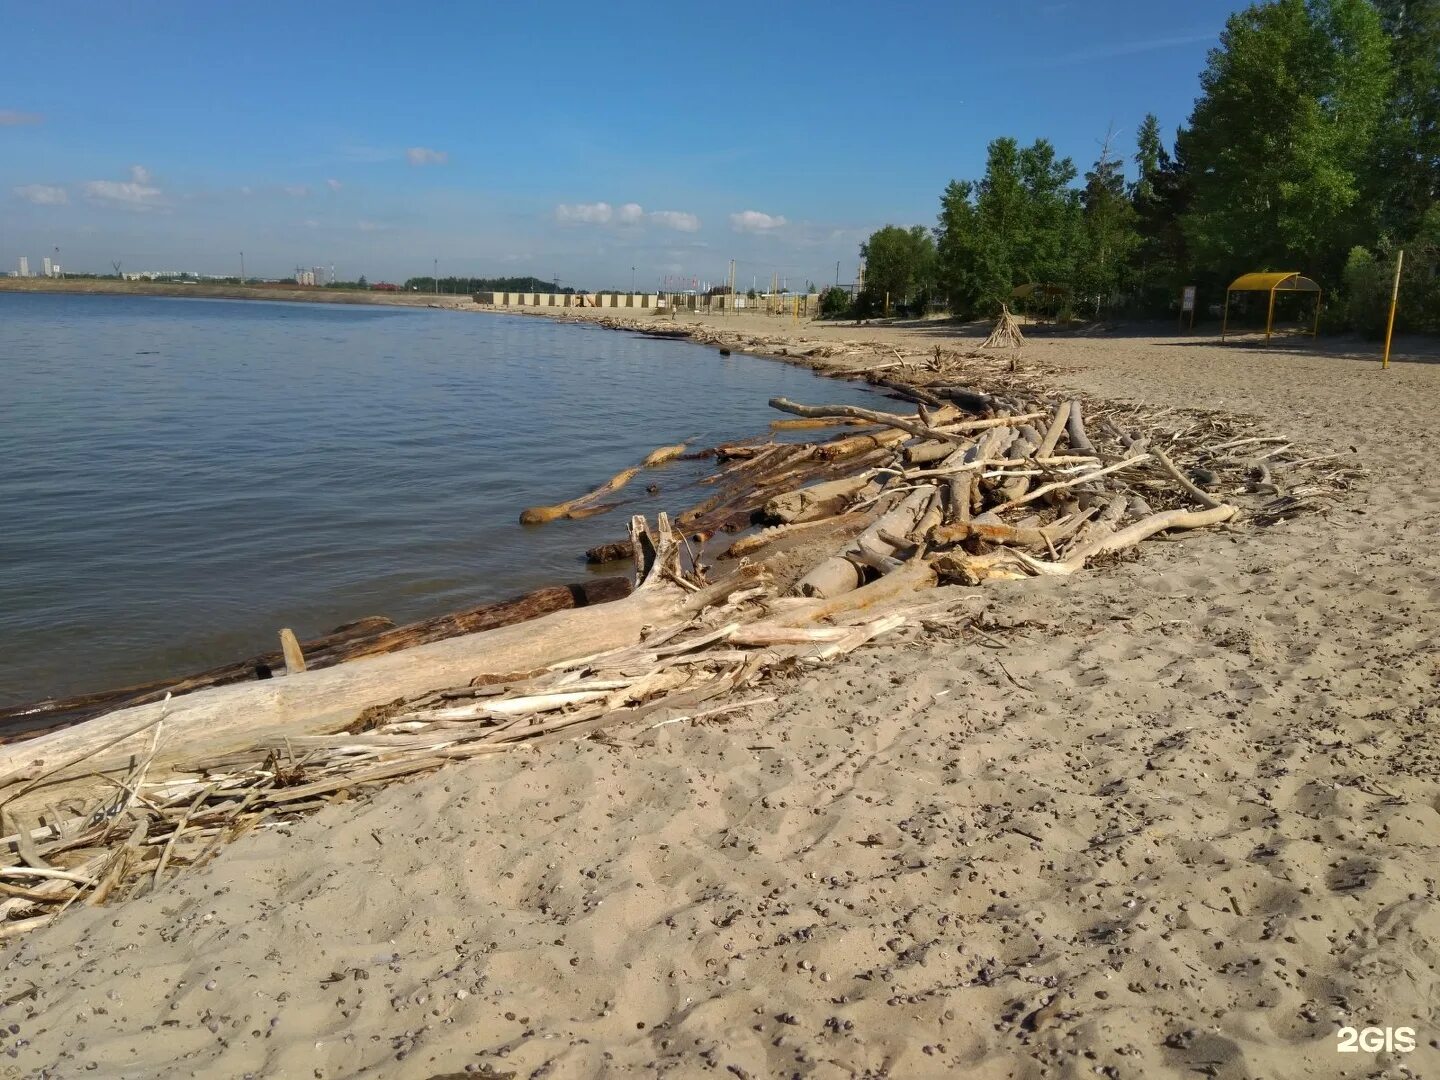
(1394, 302)
(1315, 329)
(887, 305)
(1225, 319)
(1270, 317)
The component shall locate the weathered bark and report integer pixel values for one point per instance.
(583, 506)
(615, 551)
(227, 719)
(662, 454)
(373, 636)
(1075, 426)
(814, 501)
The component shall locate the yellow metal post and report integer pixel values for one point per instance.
(1270, 316)
(1315, 330)
(1394, 302)
(1225, 319)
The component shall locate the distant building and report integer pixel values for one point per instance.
(49, 270)
(24, 266)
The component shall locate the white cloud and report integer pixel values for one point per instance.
(247, 190)
(596, 213)
(43, 194)
(138, 193)
(296, 191)
(333, 184)
(11, 118)
(602, 213)
(311, 223)
(676, 219)
(371, 226)
(754, 221)
(423, 155)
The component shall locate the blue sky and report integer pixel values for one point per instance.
(545, 138)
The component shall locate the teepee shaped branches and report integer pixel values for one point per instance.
(1006, 334)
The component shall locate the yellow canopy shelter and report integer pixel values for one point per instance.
(1272, 282)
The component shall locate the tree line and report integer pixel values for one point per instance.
(1314, 145)
(477, 284)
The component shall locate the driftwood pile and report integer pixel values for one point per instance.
(966, 486)
(1006, 334)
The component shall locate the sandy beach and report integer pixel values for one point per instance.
(1178, 817)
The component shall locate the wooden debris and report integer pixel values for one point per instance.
(1029, 490)
(1006, 334)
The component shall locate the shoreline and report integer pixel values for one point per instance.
(203, 291)
(1106, 813)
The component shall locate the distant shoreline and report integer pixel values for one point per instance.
(292, 294)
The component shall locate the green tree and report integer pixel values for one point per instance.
(1109, 232)
(1018, 223)
(834, 303)
(1409, 156)
(362, 282)
(899, 262)
(1290, 108)
(1160, 196)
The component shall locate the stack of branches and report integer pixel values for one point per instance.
(1006, 334)
(1045, 488)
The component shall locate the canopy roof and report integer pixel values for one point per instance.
(1273, 281)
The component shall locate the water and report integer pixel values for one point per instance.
(180, 478)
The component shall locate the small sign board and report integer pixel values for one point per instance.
(1187, 299)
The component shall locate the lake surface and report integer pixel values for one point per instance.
(181, 478)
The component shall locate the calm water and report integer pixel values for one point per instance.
(180, 478)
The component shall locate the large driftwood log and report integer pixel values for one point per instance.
(580, 507)
(227, 719)
(368, 637)
(842, 573)
(815, 501)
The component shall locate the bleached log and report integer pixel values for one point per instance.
(914, 575)
(838, 574)
(583, 506)
(662, 454)
(816, 501)
(747, 545)
(1075, 427)
(1129, 537)
(1054, 431)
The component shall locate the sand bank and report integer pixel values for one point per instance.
(1184, 822)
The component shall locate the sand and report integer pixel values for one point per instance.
(1179, 818)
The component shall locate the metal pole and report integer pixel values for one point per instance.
(1270, 317)
(1394, 302)
(435, 275)
(242, 268)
